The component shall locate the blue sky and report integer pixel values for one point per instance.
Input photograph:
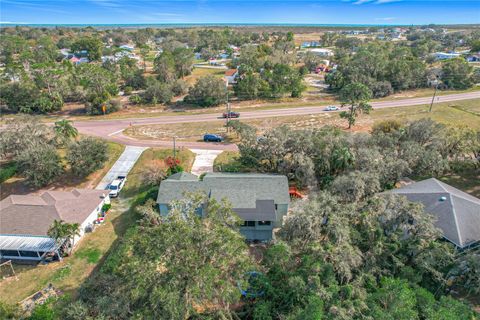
(237, 11)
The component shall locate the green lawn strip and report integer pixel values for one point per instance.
(135, 183)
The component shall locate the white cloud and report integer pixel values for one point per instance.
(106, 3)
(386, 19)
(386, 1)
(358, 2)
(12, 22)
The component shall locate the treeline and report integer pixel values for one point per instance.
(34, 149)
(386, 68)
(361, 164)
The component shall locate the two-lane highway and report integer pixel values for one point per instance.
(112, 129)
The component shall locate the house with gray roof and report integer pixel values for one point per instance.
(260, 200)
(457, 213)
(25, 220)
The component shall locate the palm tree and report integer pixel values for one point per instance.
(63, 233)
(65, 130)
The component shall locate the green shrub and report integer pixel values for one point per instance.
(8, 171)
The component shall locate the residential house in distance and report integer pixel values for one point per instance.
(25, 220)
(231, 76)
(446, 55)
(126, 47)
(260, 200)
(474, 58)
(322, 52)
(309, 44)
(457, 213)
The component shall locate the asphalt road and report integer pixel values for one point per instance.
(112, 129)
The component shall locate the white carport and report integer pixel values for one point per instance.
(13, 247)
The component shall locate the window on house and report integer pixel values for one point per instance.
(249, 223)
(32, 254)
(276, 206)
(11, 253)
(264, 223)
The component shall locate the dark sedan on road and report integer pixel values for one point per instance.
(212, 137)
(231, 114)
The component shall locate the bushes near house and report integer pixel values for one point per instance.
(7, 171)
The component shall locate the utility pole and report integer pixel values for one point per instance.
(174, 149)
(434, 94)
(228, 108)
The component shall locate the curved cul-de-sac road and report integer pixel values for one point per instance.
(112, 129)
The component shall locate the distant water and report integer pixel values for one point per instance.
(190, 25)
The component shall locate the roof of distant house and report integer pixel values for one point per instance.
(248, 193)
(230, 72)
(34, 214)
(457, 213)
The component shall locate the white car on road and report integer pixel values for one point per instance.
(331, 108)
(116, 185)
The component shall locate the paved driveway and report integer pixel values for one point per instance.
(123, 165)
(204, 160)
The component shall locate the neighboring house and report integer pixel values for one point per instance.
(260, 200)
(308, 44)
(457, 213)
(126, 47)
(473, 58)
(25, 220)
(445, 55)
(231, 75)
(322, 52)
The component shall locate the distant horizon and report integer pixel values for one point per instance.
(247, 12)
(231, 24)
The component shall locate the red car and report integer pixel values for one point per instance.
(231, 114)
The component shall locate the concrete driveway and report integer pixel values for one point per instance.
(122, 166)
(204, 160)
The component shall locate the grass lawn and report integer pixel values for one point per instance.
(227, 161)
(465, 112)
(17, 184)
(68, 274)
(467, 180)
(134, 183)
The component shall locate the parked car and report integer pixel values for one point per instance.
(232, 114)
(212, 137)
(331, 108)
(116, 185)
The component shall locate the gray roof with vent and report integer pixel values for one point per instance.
(457, 213)
(250, 194)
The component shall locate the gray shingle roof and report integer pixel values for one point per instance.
(34, 214)
(243, 190)
(457, 213)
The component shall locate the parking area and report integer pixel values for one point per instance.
(123, 165)
(204, 160)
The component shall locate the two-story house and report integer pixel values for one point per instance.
(260, 200)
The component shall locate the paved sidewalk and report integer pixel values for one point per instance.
(204, 160)
(122, 166)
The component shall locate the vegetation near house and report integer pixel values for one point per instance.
(63, 233)
(377, 160)
(457, 74)
(65, 131)
(40, 164)
(34, 147)
(153, 274)
(86, 156)
(209, 91)
(356, 95)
